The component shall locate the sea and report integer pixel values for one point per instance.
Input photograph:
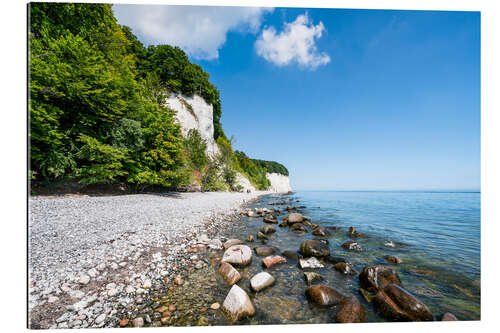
(435, 233)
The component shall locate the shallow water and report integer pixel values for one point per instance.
(440, 231)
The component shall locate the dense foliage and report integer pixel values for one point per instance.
(96, 107)
(256, 170)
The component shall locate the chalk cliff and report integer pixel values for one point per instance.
(279, 183)
(195, 113)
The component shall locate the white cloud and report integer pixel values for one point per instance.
(199, 30)
(296, 43)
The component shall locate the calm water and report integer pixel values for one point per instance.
(441, 266)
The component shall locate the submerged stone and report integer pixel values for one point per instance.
(351, 311)
(323, 295)
(261, 280)
(314, 248)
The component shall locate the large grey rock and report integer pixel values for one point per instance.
(238, 255)
(261, 280)
(237, 304)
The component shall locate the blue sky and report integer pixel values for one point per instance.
(345, 99)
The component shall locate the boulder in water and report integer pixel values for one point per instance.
(310, 263)
(237, 304)
(270, 219)
(345, 268)
(314, 248)
(375, 278)
(290, 255)
(323, 295)
(351, 246)
(264, 250)
(320, 232)
(261, 280)
(395, 303)
(270, 261)
(312, 276)
(229, 273)
(297, 227)
(351, 311)
(294, 218)
(393, 260)
(267, 229)
(238, 255)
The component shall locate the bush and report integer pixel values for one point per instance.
(196, 147)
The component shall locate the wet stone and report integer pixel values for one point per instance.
(312, 277)
(310, 263)
(264, 250)
(351, 246)
(261, 280)
(270, 261)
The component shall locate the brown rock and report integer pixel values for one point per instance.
(344, 268)
(393, 260)
(269, 219)
(320, 232)
(353, 233)
(351, 311)
(297, 227)
(166, 314)
(270, 261)
(314, 248)
(267, 229)
(124, 322)
(449, 317)
(312, 276)
(229, 273)
(172, 308)
(260, 235)
(264, 250)
(375, 278)
(324, 295)
(294, 218)
(351, 246)
(290, 255)
(395, 303)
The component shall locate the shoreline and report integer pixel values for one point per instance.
(91, 280)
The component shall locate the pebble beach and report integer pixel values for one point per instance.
(89, 255)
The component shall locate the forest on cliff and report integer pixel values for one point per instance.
(97, 113)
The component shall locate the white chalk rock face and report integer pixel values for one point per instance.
(237, 304)
(261, 280)
(279, 183)
(238, 255)
(195, 113)
(244, 183)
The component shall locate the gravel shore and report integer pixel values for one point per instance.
(91, 256)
